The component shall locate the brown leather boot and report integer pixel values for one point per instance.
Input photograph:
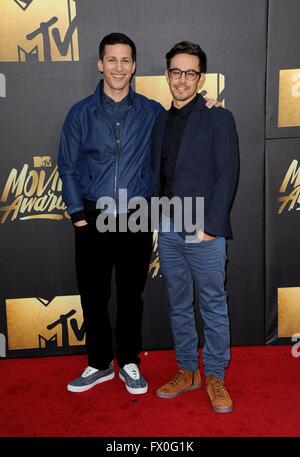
(219, 397)
(183, 381)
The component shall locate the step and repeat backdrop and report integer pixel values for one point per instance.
(282, 171)
(48, 61)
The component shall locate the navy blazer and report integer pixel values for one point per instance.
(207, 163)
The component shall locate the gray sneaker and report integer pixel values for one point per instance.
(134, 381)
(90, 377)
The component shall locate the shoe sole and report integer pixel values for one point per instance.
(162, 395)
(78, 389)
(131, 390)
(219, 410)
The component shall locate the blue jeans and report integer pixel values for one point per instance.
(204, 264)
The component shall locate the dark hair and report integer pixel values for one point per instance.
(117, 38)
(185, 47)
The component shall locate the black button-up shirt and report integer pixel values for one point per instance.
(175, 125)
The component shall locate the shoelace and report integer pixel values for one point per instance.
(88, 371)
(218, 389)
(177, 378)
(133, 370)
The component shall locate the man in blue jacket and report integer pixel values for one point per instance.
(195, 154)
(105, 147)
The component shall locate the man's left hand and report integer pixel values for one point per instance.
(204, 236)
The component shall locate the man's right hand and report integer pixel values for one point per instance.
(80, 223)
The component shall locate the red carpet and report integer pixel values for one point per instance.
(264, 383)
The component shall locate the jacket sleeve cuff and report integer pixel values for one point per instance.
(78, 216)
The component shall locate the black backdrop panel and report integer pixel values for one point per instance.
(37, 258)
(282, 239)
(283, 72)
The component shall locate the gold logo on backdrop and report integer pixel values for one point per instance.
(288, 311)
(38, 30)
(291, 186)
(43, 161)
(36, 323)
(33, 193)
(156, 87)
(289, 98)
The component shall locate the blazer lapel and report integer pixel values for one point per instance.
(158, 145)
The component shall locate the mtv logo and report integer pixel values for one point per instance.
(24, 4)
(35, 323)
(48, 344)
(288, 311)
(156, 87)
(42, 161)
(2, 86)
(31, 56)
(289, 98)
(38, 30)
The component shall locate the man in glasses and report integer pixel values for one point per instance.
(195, 154)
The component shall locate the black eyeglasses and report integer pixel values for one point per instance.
(191, 75)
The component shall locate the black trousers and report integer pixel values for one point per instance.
(96, 254)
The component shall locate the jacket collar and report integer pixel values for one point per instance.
(200, 104)
(97, 99)
(185, 110)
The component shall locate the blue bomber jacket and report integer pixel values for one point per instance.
(90, 163)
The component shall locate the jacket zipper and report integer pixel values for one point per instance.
(117, 150)
(118, 146)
